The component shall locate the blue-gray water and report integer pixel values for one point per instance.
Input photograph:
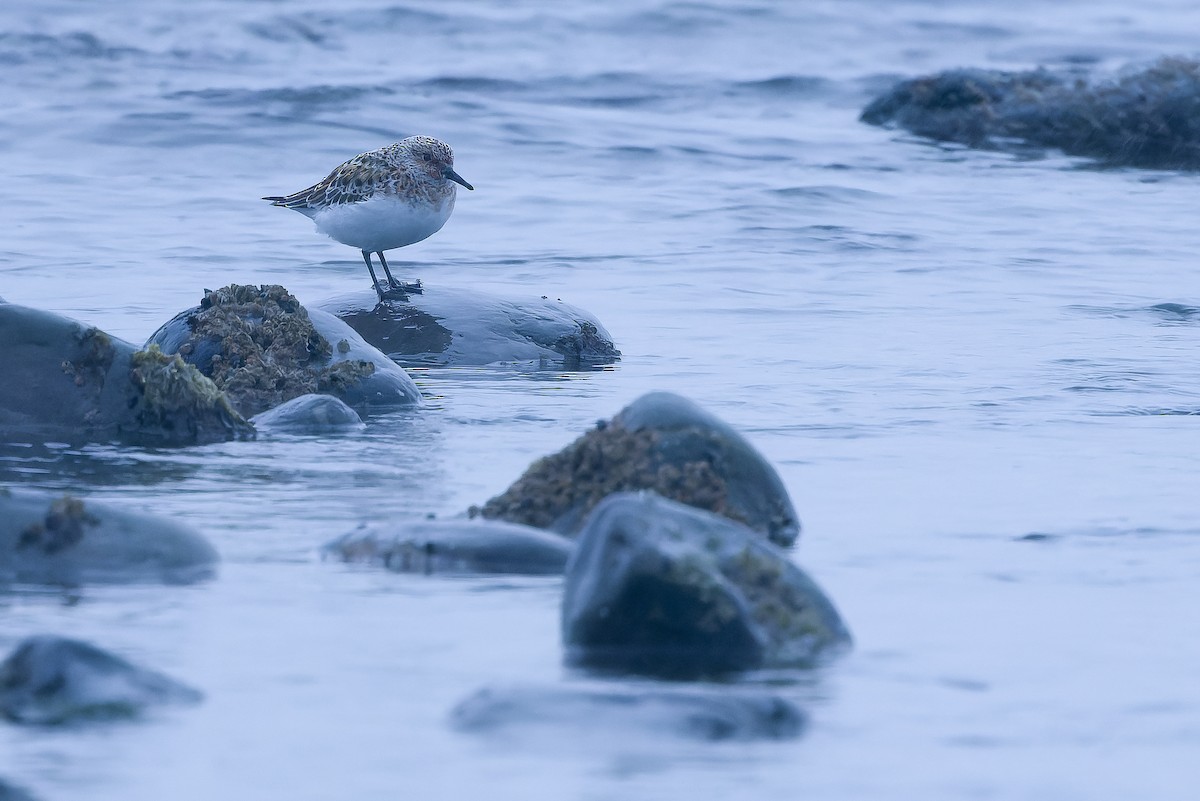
(943, 351)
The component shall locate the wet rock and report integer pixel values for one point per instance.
(65, 541)
(448, 326)
(11, 792)
(659, 588)
(72, 382)
(55, 680)
(259, 345)
(1147, 118)
(454, 547)
(660, 442)
(608, 713)
(309, 414)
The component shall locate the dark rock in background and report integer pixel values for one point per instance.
(72, 382)
(660, 442)
(309, 414)
(700, 713)
(55, 680)
(10, 792)
(454, 547)
(1148, 118)
(658, 588)
(448, 326)
(262, 348)
(60, 540)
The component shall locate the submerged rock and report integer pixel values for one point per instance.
(1149, 118)
(55, 680)
(660, 442)
(65, 541)
(718, 713)
(65, 380)
(309, 414)
(259, 345)
(448, 326)
(659, 588)
(454, 547)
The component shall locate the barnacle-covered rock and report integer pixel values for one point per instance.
(71, 382)
(661, 442)
(262, 348)
(659, 588)
(1142, 118)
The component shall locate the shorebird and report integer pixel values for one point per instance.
(383, 199)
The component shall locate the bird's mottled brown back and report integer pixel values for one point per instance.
(356, 180)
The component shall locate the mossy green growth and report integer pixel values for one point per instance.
(177, 404)
(608, 459)
(264, 348)
(90, 367)
(62, 527)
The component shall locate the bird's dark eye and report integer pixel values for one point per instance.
(427, 157)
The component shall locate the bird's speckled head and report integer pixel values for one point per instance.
(430, 157)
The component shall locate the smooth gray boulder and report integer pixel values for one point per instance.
(661, 442)
(262, 348)
(54, 680)
(1144, 118)
(72, 382)
(309, 414)
(658, 588)
(463, 547)
(64, 541)
(449, 326)
(610, 712)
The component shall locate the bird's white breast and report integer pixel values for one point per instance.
(383, 222)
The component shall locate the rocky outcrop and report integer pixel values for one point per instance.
(67, 381)
(659, 588)
(1145, 118)
(609, 713)
(54, 680)
(448, 326)
(61, 540)
(454, 547)
(308, 414)
(660, 442)
(262, 348)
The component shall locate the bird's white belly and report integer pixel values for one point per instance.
(383, 222)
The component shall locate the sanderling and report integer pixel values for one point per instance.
(383, 199)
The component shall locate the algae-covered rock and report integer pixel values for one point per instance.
(659, 588)
(54, 680)
(660, 442)
(309, 414)
(449, 326)
(66, 541)
(611, 713)
(454, 547)
(72, 382)
(1144, 118)
(262, 348)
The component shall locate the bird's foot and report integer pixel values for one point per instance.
(407, 287)
(391, 292)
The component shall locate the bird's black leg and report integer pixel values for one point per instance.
(374, 281)
(403, 286)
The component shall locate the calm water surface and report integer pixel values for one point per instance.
(943, 352)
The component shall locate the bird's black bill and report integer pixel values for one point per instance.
(458, 179)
